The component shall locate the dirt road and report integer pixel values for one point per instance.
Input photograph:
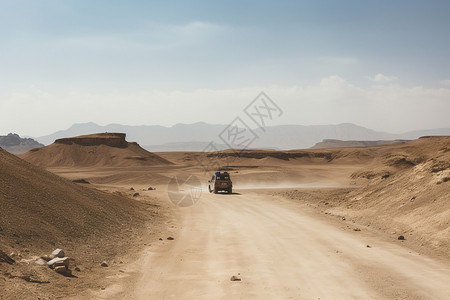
(282, 251)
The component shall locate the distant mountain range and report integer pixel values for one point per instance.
(195, 137)
(13, 143)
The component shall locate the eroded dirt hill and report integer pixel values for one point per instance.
(40, 211)
(96, 150)
(402, 190)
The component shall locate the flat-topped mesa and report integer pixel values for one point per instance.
(99, 150)
(107, 138)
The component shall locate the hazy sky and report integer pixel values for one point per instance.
(380, 64)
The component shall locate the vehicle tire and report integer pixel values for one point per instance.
(216, 190)
(230, 191)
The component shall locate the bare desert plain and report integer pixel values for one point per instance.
(341, 223)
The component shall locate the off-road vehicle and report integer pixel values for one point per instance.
(220, 182)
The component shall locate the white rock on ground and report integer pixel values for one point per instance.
(58, 253)
(58, 262)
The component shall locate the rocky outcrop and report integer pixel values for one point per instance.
(13, 143)
(108, 139)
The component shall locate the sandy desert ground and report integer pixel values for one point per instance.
(303, 224)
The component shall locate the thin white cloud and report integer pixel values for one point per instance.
(380, 78)
(445, 82)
